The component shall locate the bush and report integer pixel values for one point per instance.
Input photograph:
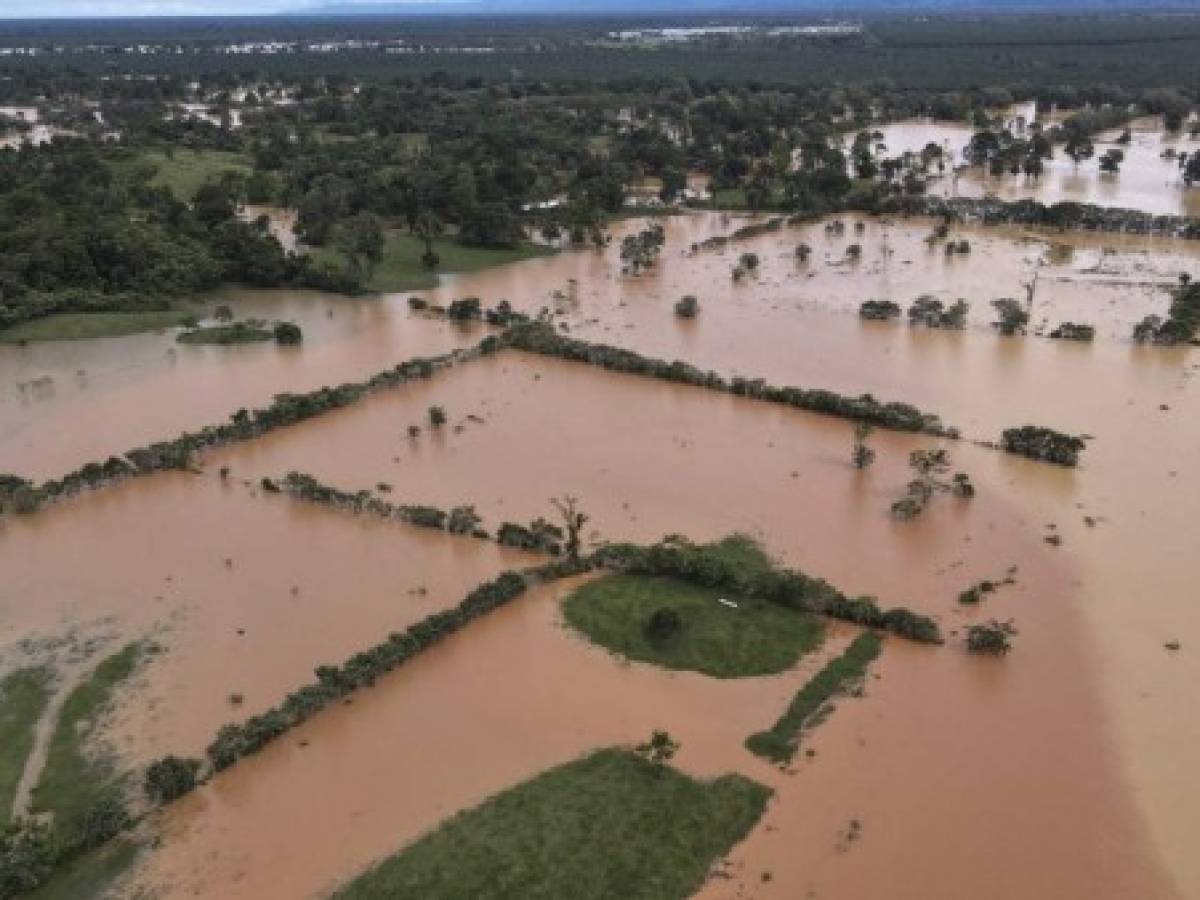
(687, 307)
(663, 625)
(990, 638)
(880, 310)
(437, 416)
(170, 777)
(288, 333)
(1043, 444)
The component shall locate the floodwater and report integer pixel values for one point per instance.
(1062, 770)
(1146, 181)
(246, 593)
(65, 403)
(952, 729)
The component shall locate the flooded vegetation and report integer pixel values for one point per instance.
(730, 491)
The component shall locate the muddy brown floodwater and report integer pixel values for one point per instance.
(1062, 770)
(246, 593)
(1147, 180)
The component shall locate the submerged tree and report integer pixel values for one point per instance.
(861, 456)
(573, 521)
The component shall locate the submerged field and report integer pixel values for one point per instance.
(247, 590)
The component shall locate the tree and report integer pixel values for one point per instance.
(437, 416)
(427, 227)
(361, 240)
(1110, 161)
(573, 520)
(861, 456)
(659, 750)
(1079, 147)
(687, 307)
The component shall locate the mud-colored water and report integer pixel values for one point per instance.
(708, 464)
(245, 593)
(1062, 770)
(64, 403)
(1146, 181)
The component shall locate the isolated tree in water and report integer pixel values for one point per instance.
(573, 520)
(861, 455)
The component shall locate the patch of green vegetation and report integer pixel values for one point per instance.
(23, 698)
(90, 875)
(779, 744)
(184, 170)
(401, 268)
(77, 783)
(678, 625)
(234, 333)
(609, 825)
(84, 326)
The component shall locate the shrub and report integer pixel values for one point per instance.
(1013, 318)
(1043, 444)
(437, 416)
(991, 638)
(288, 333)
(687, 307)
(170, 777)
(880, 310)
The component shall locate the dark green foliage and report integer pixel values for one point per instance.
(991, 638)
(28, 856)
(932, 313)
(540, 536)
(1182, 322)
(170, 777)
(539, 337)
(1043, 444)
(1072, 331)
(687, 307)
(437, 416)
(881, 310)
(1013, 317)
(464, 310)
(288, 333)
(779, 744)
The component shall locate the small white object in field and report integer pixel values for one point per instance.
(728, 603)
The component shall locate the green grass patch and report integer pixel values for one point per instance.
(779, 744)
(185, 170)
(608, 825)
(235, 333)
(401, 268)
(84, 326)
(23, 698)
(90, 875)
(756, 638)
(77, 779)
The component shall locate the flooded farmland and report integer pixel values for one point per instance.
(971, 749)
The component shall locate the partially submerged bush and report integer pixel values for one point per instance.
(1074, 331)
(880, 310)
(687, 307)
(288, 334)
(932, 313)
(990, 638)
(1045, 444)
(1012, 316)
